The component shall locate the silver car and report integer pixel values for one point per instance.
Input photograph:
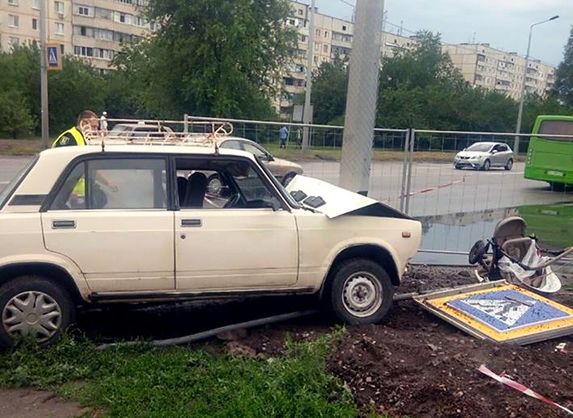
(484, 155)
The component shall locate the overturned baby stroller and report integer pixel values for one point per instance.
(516, 258)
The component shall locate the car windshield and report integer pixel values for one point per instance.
(7, 191)
(480, 147)
(279, 186)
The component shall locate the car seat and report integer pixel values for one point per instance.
(195, 193)
(182, 184)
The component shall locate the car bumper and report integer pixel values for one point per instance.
(468, 163)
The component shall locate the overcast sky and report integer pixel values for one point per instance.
(504, 24)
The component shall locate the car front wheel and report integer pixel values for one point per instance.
(33, 307)
(486, 165)
(361, 292)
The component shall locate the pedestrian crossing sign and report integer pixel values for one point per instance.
(501, 312)
(53, 57)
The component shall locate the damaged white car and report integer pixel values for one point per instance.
(136, 223)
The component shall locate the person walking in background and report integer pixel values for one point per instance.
(283, 136)
(298, 138)
(103, 123)
(86, 126)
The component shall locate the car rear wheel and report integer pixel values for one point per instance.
(33, 307)
(361, 292)
(509, 165)
(486, 165)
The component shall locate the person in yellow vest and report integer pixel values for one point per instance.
(86, 125)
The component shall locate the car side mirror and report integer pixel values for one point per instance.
(494, 151)
(269, 157)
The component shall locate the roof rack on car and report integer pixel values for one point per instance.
(169, 132)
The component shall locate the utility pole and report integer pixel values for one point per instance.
(522, 89)
(362, 95)
(307, 116)
(44, 73)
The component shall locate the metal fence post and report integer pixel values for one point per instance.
(186, 123)
(409, 179)
(404, 170)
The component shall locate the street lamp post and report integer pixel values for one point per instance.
(522, 90)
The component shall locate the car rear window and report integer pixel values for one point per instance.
(6, 193)
(557, 127)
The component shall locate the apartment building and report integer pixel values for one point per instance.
(93, 30)
(332, 38)
(480, 64)
(493, 69)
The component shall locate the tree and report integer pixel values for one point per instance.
(15, 116)
(211, 58)
(563, 88)
(329, 92)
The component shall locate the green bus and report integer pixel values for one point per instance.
(551, 159)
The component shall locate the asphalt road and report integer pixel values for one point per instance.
(436, 188)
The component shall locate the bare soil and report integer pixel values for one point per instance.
(417, 365)
(29, 403)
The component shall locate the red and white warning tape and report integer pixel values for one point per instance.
(519, 387)
(431, 189)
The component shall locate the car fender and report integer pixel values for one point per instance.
(53, 260)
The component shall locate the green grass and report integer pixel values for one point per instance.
(183, 382)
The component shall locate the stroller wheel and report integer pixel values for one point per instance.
(477, 252)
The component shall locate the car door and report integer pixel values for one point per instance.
(505, 154)
(110, 216)
(496, 156)
(236, 240)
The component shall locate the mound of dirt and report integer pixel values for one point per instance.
(419, 366)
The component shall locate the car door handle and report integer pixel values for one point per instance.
(191, 223)
(63, 224)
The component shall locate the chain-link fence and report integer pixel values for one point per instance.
(458, 191)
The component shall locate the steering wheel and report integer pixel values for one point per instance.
(233, 201)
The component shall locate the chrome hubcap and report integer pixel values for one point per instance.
(32, 313)
(362, 295)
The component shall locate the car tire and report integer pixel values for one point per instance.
(557, 187)
(509, 165)
(287, 178)
(457, 167)
(486, 165)
(361, 292)
(33, 305)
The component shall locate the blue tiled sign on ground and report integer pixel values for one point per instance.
(506, 310)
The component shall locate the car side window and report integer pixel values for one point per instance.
(503, 148)
(231, 145)
(256, 151)
(114, 184)
(221, 184)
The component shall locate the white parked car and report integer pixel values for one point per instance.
(484, 155)
(135, 223)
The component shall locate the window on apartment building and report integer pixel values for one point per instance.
(326, 34)
(35, 4)
(315, 59)
(34, 23)
(83, 51)
(59, 28)
(104, 34)
(62, 49)
(316, 46)
(291, 22)
(84, 11)
(325, 48)
(317, 32)
(302, 38)
(300, 12)
(13, 2)
(138, 21)
(59, 7)
(13, 21)
(343, 27)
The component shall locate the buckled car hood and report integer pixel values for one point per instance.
(335, 201)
